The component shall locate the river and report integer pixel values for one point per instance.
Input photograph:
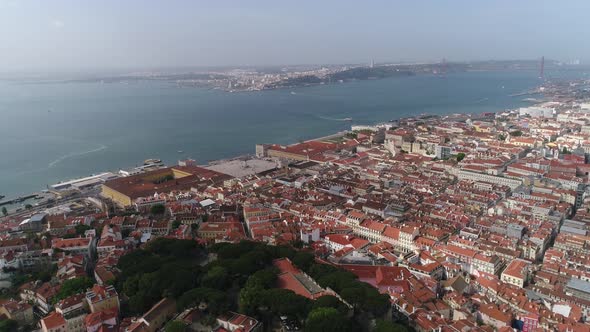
(51, 132)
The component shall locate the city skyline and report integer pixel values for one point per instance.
(264, 165)
(64, 35)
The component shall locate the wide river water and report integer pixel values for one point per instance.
(51, 132)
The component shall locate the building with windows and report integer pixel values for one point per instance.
(125, 191)
(516, 273)
(578, 288)
(442, 152)
(101, 298)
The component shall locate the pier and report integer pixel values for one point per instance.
(18, 199)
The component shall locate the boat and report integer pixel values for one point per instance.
(293, 93)
(180, 151)
(151, 161)
(347, 119)
(2, 196)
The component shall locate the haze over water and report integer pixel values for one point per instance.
(85, 128)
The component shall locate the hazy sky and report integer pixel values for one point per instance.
(58, 34)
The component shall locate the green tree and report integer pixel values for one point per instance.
(460, 156)
(4, 211)
(194, 228)
(80, 229)
(172, 247)
(326, 320)
(303, 260)
(376, 303)
(217, 301)
(516, 133)
(175, 326)
(286, 302)
(44, 272)
(250, 299)
(264, 278)
(158, 209)
(338, 280)
(217, 277)
(353, 295)
(28, 206)
(387, 326)
(501, 137)
(73, 286)
(139, 303)
(176, 224)
(352, 135)
(125, 233)
(329, 301)
(8, 325)
(564, 150)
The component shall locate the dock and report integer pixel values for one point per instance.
(18, 199)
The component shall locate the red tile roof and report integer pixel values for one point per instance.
(69, 243)
(100, 317)
(54, 320)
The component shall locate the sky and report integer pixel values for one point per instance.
(50, 35)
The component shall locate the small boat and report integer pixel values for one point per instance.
(151, 161)
(293, 93)
(180, 151)
(347, 119)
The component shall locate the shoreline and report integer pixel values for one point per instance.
(247, 156)
(514, 102)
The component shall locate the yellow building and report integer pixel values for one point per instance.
(102, 298)
(125, 190)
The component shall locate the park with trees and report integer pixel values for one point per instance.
(242, 278)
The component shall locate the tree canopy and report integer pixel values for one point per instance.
(8, 325)
(326, 320)
(157, 209)
(175, 326)
(388, 326)
(460, 156)
(166, 267)
(329, 301)
(243, 279)
(81, 229)
(73, 286)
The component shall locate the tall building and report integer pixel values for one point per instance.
(442, 152)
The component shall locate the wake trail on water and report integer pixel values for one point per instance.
(481, 100)
(332, 119)
(314, 95)
(75, 154)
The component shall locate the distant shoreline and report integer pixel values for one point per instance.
(300, 111)
(232, 79)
